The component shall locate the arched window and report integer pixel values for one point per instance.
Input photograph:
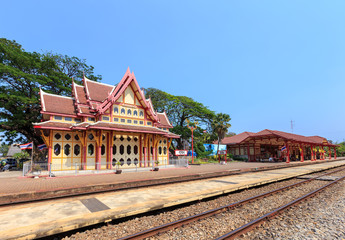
(90, 136)
(135, 113)
(122, 161)
(160, 150)
(129, 112)
(57, 136)
(68, 136)
(102, 150)
(116, 110)
(165, 151)
(129, 161)
(135, 150)
(76, 149)
(141, 114)
(123, 111)
(91, 149)
(122, 149)
(136, 161)
(114, 149)
(129, 149)
(57, 149)
(67, 149)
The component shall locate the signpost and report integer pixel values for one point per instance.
(181, 152)
(222, 152)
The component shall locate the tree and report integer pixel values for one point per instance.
(220, 126)
(178, 110)
(22, 74)
(4, 149)
(340, 149)
(230, 134)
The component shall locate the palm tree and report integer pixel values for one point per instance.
(220, 125)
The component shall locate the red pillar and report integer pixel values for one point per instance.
(312, 153)
(287, 153)
(145, 156)
(249, 160)
(329, 153)
(301, 153)
(335, 153)
(254, 153)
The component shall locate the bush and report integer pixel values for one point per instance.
(240, 158)
(200, 150)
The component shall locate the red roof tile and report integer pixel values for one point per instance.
(58, 104)
(123, 127)
(284, 135)
(80, 92)
(52, 124)
(237, 138)
(163, 120)
(98, 91)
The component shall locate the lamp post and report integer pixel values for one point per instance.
(192, 128)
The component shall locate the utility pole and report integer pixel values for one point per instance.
(292, 123)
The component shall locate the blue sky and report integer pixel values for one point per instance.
(264, 63)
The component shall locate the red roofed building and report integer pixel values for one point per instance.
(101, 125)
(278, 145)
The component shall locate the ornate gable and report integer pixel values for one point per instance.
(128, 93)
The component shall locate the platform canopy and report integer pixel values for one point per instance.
(278, 145)
(275, 137)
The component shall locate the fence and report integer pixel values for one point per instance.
(44, 168)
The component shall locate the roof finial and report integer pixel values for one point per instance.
(128, 71)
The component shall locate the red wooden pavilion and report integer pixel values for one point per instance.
(278, 145)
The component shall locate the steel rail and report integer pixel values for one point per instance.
(175, 224)
(249, 226)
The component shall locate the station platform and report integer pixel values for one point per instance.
(17, 188)
(38, 219)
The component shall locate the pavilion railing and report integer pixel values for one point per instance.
(45, 169)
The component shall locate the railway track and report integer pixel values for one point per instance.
(162, 229)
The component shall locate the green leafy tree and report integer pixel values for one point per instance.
(341, 149)
(22, 73)
(220, 126)
(4, 149)
(179, 109)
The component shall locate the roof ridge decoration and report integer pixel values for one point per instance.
(55, 95)
(120, 88)
(42, 99)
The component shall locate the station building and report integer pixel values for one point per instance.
(281, 146)
(102, 125)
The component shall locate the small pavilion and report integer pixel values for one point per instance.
(279, 146)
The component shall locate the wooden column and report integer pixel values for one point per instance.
(47, 136)
(82, 136)
(335, 153)
(248, 153)
(287, 153)
(110, 147)
(140, 151)
(329, 153)
(301, 152)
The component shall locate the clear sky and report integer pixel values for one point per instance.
(264, 63)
